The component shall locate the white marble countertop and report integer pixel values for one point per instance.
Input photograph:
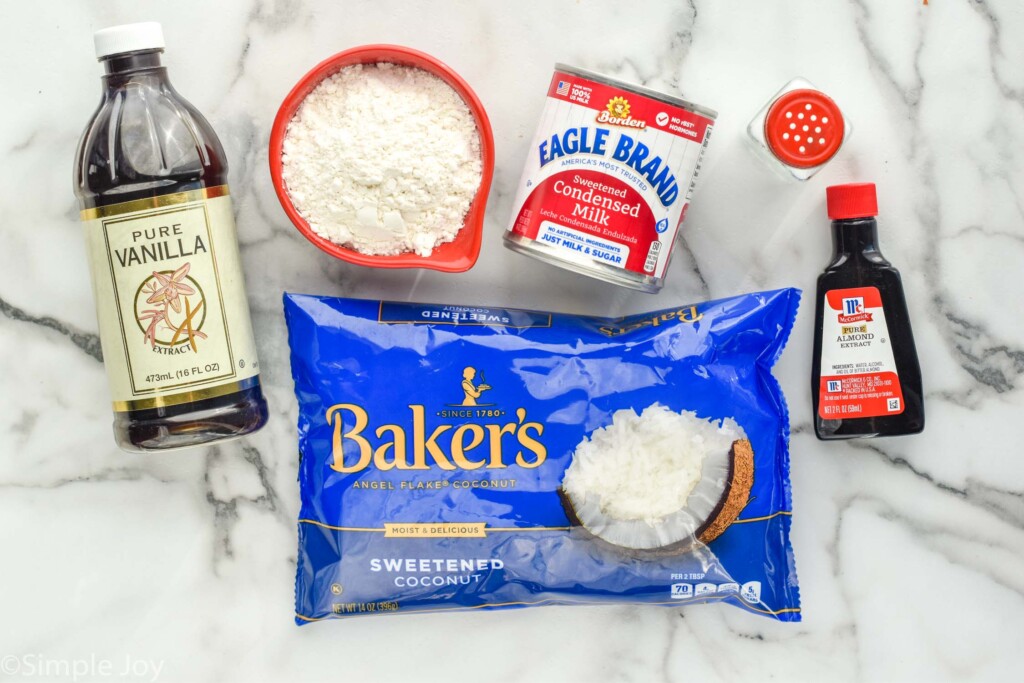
(910, 551)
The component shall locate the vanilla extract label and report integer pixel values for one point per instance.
(172, 313)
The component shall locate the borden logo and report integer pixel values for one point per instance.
(616, 112)
(418, 446)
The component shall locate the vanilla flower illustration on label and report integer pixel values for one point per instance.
(167, 290)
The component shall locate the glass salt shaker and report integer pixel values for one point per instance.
(799, 130)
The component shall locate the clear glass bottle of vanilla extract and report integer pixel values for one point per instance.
(151, 180)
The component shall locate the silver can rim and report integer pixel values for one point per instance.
(599, 271)
(638, 89)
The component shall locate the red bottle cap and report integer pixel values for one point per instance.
(804, 128)
(853, 200)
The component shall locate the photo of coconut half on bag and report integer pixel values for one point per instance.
(655, 483)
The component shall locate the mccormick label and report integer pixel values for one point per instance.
(858, 372)
(609, 175)
(173, 318)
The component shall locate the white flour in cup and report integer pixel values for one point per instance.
(383, 159)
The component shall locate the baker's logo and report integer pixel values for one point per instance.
(616, 112)
(416, 443)
(472, 392)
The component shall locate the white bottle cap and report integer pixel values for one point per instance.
(147, 35)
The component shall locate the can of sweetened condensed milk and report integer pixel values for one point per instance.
(608, 178)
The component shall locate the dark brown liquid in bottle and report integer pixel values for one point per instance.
(857, 262)
(145, 141)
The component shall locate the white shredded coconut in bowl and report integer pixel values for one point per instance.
(650, 480)
(383, 159)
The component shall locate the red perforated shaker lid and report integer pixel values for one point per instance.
(804, 128)
(853, 200)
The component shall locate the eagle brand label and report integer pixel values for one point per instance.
(170, 300)
(609, 177)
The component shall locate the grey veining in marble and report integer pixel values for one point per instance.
(910, 551)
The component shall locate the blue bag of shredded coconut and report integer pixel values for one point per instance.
(458, 457)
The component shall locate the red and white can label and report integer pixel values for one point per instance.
(858, 371)
(609, 175)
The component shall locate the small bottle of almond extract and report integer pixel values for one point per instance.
(866, 380)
